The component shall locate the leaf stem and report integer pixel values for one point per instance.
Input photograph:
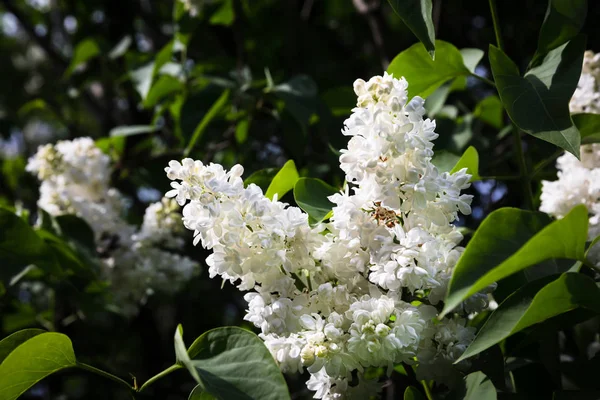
(525, 179)
(104, 374)
(160, 375)
(484, 79)
(496, 22)
(427, 390)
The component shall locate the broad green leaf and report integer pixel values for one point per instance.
(198, 393)
(469, 160)
(538, 103)
(234, 363)
(445, 160)
(32, 361)
(181, 354)
(9, 343)
(436, 100)
(490, 111)
(510, 240)
(164, 86)
(588, 126)
(311, 195)
(84, 51)
(130, 130)
(261, 178)
(412, 393)
(19, 245)
(423, 74)
(476, 386)
(300, 97)
(284, 181)
(76, 229)
(120, 48)
(214, 110)
(534, 303)
(142, 79)
(471, 58)
(416, 14)
(563, 21)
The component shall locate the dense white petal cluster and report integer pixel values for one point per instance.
(75, 179)
(359, 291)
(586, 98)
(579, 180)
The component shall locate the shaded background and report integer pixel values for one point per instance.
(316, 47)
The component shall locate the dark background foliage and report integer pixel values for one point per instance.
(319, 47)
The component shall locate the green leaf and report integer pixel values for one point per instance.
(261, 178)
(588, 126)
(490, 111)
(416, 14)
(538, 102)
(284, 181)
(563, 21)
(163, 87)
(19, 245)
(300, 97)
(142, 79)
(207, 119)
(76, 229)
(311, 195)
(471, 58)
(198, 393)
(234, 363)
(444, 160)
(469, 160)
(412, 393)
(436, 100)
(181, 354)
(32, 361)
(423, 74)
(476, 386)
(131, 130)
(84, 51)
(534, 303)
(510, 240)
(120, 48)
(9, 343)
(224, 14)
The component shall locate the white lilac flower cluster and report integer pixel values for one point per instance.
(362, 290)
(75, 179)
(586, 98)
(579, 180)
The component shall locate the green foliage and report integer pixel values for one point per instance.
(536, 302)
(538, 102)
(232, 363)
(412, 393)
(32, 361)
(425, 74)
(476, 386)
(470, 161)
(416, 14)
(283, 181)
(11, 342)
(588, 126)
(206, 120)
(84, 51)
(510, 240)
(311, 195)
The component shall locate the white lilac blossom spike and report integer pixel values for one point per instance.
(75, 179)
(339, 297)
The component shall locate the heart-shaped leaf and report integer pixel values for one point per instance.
(416, 14)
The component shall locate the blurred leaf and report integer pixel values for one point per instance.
(19, 245)
(423, 74)
(130, 130)
(490, 111)
(164, 86)
(300, 97)
(224, 14)
(84, 51)
(475, 386)
(588, 126)
(563, 21)
(510, 240)
(206, 120)
(262, 178)
(142, 79)
(120, 48)
(437, 99)
(11, 342)
(538, 103)
(444, 160)
(76, 229)
(535, 303)
(234, 363)
(412, 393)
(416, 14)
(198, 393)
(469, 160)
(32, 361)
(471, 58)
(311, 195)
(241, 130)
(340, 100)
(284, 181)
